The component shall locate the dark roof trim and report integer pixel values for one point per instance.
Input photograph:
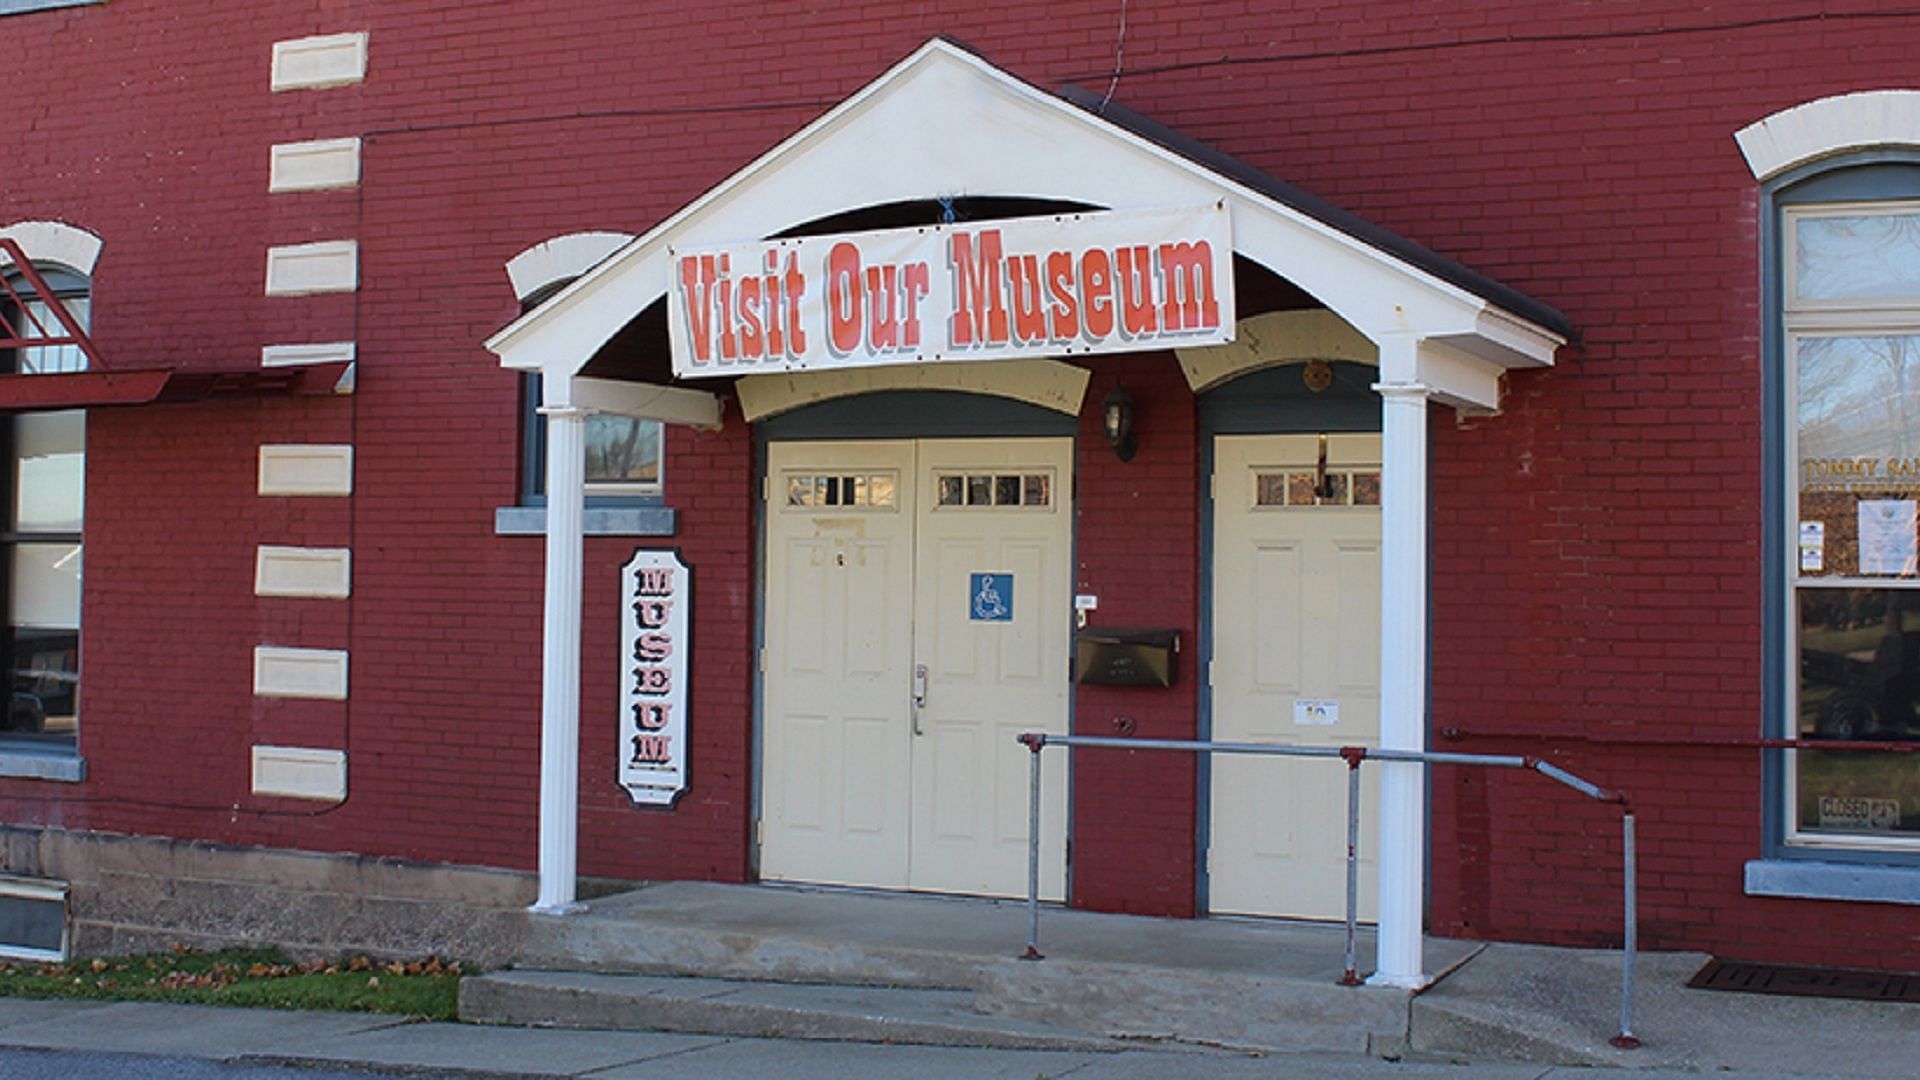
(1506, 297)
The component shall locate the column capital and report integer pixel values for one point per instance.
(1402, 390)
(564, 412)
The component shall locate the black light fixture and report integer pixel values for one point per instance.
(1117, 418)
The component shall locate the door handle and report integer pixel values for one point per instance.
(919, 694)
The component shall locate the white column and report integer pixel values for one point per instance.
(1403, 679)
(560, 659)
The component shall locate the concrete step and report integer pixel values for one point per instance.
(756, 1010)
(1264, 985)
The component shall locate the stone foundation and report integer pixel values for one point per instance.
(140, 893)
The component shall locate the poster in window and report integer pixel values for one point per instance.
(1887, 537)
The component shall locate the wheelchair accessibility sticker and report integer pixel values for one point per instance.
(990, 598)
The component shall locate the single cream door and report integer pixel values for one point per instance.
(836, 746)
(1296, 659)
(992, 628)
(917, 619)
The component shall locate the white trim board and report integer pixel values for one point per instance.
(1049, 384)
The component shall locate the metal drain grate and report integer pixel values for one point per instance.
(1806, 981)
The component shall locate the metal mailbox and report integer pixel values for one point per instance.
(1131, 657)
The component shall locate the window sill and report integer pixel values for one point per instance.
(1809, 880)
(35, 764)
(595, 521)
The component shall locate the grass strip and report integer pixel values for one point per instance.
(257, 977)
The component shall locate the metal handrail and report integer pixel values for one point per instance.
(1036, 742)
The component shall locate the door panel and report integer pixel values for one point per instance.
(990, 680)
(1306, 630)
(836, 743)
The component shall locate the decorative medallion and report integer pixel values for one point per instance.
(1318, 375)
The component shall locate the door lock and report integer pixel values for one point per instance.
(919, 694)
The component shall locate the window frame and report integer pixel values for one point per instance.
(67, 285)
(533, 461)
(1880, 179)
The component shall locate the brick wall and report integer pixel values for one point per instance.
(1137, 536)
(1596, 559)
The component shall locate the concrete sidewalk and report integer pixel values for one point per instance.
(378, 1045)
(1543, 1004)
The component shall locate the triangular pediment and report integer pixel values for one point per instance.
(945, 123)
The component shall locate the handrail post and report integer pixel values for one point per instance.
(1630, 942)
(1353, 755)
(1034, 742)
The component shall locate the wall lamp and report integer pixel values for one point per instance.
(1117, 419)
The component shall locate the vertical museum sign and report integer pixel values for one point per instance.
(655, 598)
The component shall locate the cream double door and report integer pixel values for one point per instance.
(1296, 659)
(918, 600)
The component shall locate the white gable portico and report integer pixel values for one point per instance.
(945, 124)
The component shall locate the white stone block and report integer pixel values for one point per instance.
(561, 259)
(306, 469)
(330, 266)
(279, 671)
(1832, 125)
(314, 63)
(314, 166)
(54, 242)
(324, 573)
(298, 772)
(296, 355)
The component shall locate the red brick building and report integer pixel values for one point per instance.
(1638, 282)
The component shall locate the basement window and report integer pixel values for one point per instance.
(33, 918)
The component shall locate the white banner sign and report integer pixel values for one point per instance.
(656, 596)
(1120, 281)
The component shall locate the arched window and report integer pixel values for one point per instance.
(45, 507)
(1840, 187)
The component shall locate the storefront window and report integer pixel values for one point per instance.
(1851, 307)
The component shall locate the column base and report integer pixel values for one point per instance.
(1400, 982)
(571, 907)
